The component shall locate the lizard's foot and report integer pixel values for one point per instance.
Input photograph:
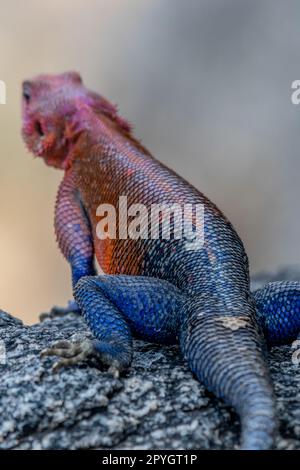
(56, 311)
(76, 352)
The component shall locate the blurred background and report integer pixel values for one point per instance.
(207, 84)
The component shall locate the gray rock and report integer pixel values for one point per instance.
(157, 405)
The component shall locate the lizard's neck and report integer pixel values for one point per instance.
(89, 129)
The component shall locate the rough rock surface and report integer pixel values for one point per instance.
(157, 405)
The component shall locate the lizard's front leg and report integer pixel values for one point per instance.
(74, 236)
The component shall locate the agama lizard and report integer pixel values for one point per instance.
(157, 289)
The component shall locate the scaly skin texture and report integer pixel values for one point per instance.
(157, 289)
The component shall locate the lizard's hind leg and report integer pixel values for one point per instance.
(114, 306)
(278, 311)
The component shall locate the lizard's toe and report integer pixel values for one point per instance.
(70, 352)
(57, 312)
(115, 369)
(74, 352)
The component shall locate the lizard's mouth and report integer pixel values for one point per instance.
(34, 132)
(35, 136)
(43, 134)
(44, 143)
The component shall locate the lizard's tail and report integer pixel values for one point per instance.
(225, 351)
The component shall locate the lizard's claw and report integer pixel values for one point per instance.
(70, 352)
(74, 352)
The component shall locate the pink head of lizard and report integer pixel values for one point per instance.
(49, 106)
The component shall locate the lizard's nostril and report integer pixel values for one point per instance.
(26, 91)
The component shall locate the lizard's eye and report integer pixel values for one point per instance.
(26, 97)
(26, 92)
(39, 128)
